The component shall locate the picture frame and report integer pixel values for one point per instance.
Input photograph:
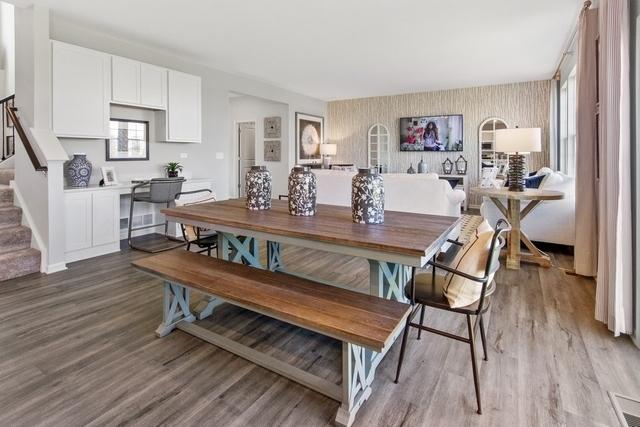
(309, 136)
(128, 140)
(273, 127)
(109, 176)
(272, 151)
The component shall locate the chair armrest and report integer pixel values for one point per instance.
(141, 184)
(456, 196)
(455, 242)
(456, 272)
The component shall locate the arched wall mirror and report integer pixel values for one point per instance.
(378, 147)
(489, 157)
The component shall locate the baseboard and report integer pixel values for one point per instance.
(54, 268)
(92, 252)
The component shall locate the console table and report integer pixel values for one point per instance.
(515, 215)
(458, 181)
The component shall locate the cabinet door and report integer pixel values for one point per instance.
(77, 218)
(153, 86)
(105, 217)
(125, 82)
(81, 86)
(183, 107)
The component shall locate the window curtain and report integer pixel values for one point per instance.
(614, 294)
(586, 242)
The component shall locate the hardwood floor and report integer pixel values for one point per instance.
(78, 348)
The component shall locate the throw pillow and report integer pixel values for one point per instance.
(471, 259)
(534, 181)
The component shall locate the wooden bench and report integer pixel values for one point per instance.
(363, 323)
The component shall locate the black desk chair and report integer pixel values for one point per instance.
(157, 190)
(427, 289)
(203, 238)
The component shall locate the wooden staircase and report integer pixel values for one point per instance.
(17, 258)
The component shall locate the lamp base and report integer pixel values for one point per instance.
(516, 172)
(326, 162)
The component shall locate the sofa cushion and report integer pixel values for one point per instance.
(471, 259)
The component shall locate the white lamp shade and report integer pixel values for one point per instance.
(328, 149)
(518, 140)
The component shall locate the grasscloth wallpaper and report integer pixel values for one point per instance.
(519, 104)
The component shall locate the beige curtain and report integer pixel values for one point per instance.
(614, 295)
(586, 243)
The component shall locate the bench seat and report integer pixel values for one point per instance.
(345, 315)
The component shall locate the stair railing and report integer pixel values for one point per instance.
(14, 120)
(8, 131)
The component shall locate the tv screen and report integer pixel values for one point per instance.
(431, 133)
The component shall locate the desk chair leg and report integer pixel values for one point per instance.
(402, 348)
(474, 363)
(130, 223)
(484, 338)
(421, 320)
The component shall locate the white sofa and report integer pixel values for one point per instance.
(552, 221)
(415, 193)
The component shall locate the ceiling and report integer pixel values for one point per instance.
(338, 49)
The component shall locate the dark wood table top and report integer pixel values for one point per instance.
(402, 233)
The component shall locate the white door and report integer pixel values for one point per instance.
(105, 217)
(246, 152)
(78, 220)
(125, 80)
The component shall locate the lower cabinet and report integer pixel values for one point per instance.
(92, 219)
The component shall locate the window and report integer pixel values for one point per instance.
(128, 140)
(568, 125)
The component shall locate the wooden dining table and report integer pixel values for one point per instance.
(404, 241)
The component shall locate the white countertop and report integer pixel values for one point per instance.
(124, 187)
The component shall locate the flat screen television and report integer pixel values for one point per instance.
(431, 133)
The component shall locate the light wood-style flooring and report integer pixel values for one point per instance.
(78, 348)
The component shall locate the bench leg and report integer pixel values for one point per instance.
(387, 280)
(175, 308)
(357, 376)
(244, 249)
(274, 256)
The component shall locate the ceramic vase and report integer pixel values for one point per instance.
(367, 197)
(422, 166)
(78, 170)
(258, 185)
(302, 191)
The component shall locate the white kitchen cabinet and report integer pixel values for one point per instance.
(92, 220)
(125, 80)
(153, 86)
(182, 121)
(81, 90)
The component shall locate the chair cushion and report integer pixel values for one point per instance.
(471, 259)
(432, 294)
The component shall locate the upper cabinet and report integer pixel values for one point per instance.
(138, 84)
(183, 121)
(81, 86)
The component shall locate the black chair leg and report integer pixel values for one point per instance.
(483, 337)
(421, 320)
(402, 348)
(474, 363)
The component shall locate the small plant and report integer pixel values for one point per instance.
(172, 169)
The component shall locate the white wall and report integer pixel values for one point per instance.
(250, 108)
(216, 122)
(7, 49)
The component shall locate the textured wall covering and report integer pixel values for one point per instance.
(520, 104)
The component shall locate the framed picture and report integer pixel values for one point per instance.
(272, 151)
(309, 136)
(272, 127)
(128, 140)
(109, 175)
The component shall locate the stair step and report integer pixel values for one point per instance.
(6, 176)
(10, 216)
(6, 194)
(14, 239)
(19, 263)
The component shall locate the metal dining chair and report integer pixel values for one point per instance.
(206, 240)
(157, 190)
(427, 290)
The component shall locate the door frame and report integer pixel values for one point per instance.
(235, 137)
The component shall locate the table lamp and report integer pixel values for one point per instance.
(327, 150)
(516, 142)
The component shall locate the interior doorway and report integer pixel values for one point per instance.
(246, 143)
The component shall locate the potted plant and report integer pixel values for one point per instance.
(172, 169)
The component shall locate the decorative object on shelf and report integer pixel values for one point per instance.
(272, 127)
(128, 140)
(302, 191)
(272, 151)
(258, 185)
(172, 169)
(447, 166)
(461, 165)
(109, 175)
(367, 197)
(327, 150)
(422, 166)
(515, 142)
(79, 170)
(309, 136)
(411, 169)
